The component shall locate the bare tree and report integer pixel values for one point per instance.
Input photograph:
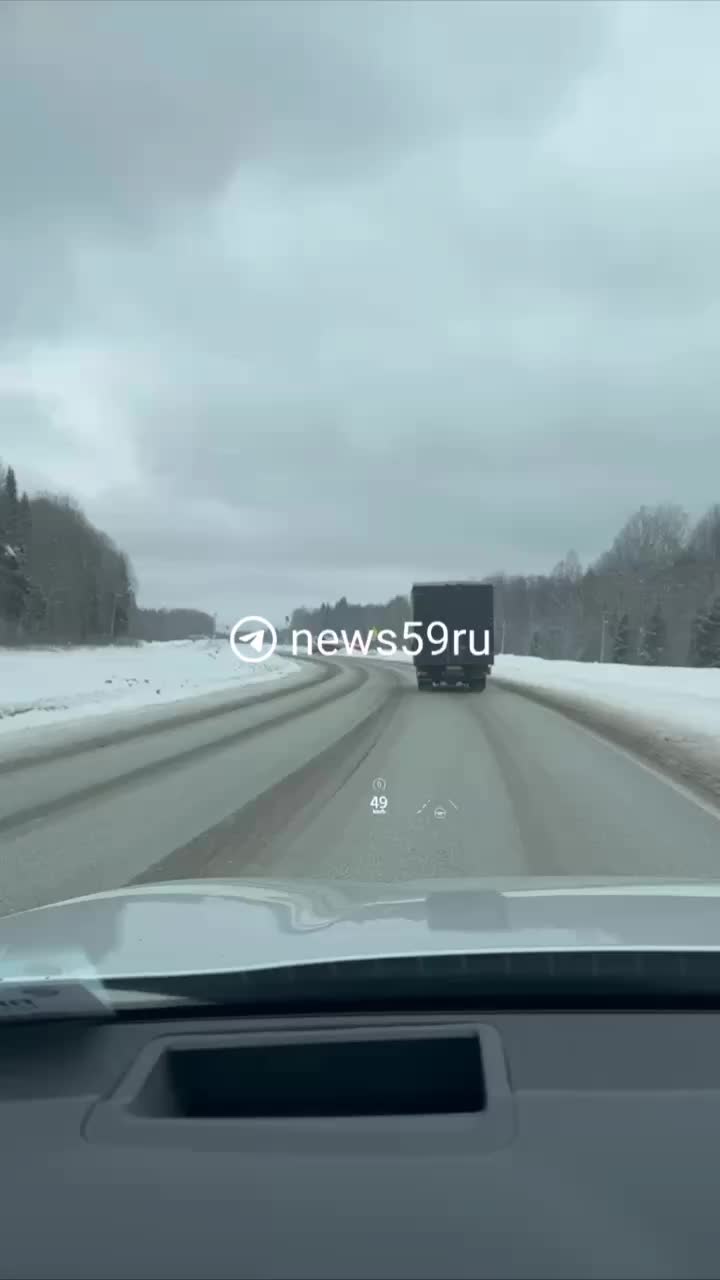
(653, 536)
(704, 541)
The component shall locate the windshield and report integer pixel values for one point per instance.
(359, 498)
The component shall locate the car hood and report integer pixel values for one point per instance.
(214, 926)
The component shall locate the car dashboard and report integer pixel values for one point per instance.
(463, 1143)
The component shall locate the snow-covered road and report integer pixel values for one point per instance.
(668, 714)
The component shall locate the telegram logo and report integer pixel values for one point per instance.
(253, 639)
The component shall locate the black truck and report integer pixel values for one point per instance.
(452, 633)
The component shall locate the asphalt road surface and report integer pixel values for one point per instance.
(475, 784)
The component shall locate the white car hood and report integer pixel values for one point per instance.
(214, 926)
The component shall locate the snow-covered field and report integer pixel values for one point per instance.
(682, 701)
(44, 687)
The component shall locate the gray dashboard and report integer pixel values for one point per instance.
(474, 1144)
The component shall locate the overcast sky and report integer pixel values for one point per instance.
(308, 298)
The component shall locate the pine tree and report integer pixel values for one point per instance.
(621, 642)
(14, 588)
(654, 639)
(707, 636)
(24, 522)
(535, 645)
(11, 507)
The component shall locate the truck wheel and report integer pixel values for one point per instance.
(423, 683)
(478, 684)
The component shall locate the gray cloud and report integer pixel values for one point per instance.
(122, 106)
(304, 298)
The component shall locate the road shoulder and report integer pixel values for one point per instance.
(692, 761)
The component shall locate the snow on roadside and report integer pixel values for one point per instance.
(682, 702)
(42, 687)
